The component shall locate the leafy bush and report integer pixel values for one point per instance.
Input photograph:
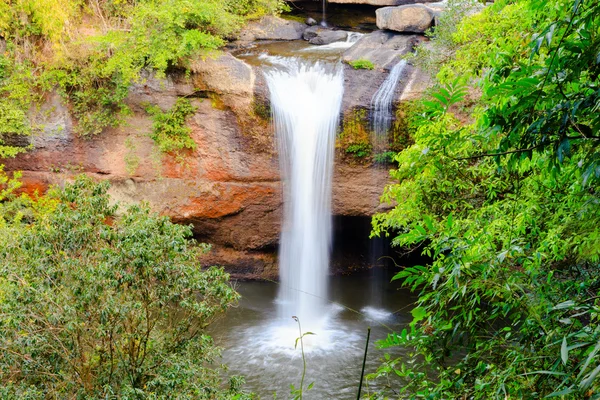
(355, 137)
(508, 209)
(169, 130)
(93, 52)
(95, 305)
(359, 150)
(384, 158)
(362, 64)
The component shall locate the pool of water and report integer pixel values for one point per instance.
(261, 346)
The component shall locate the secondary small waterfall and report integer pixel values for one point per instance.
(382, 106)
(305, 102)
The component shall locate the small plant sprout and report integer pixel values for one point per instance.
(297, 393)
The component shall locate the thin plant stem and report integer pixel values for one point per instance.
(362, 373)
(303, 358)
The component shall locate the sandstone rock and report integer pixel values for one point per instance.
(381, 3)
(310, 21)
(382, 48)
(227, 76)
(224, 74)
(415, 18)
(319, 35)
(272, 28)
(312, 32)
(227, 188)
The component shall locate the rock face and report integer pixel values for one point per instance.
(382, 48)
(229, 188)
(415, 18)
(319, 35)
(272, 28)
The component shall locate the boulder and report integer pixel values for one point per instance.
(415, 18)
(272, 28)
(382, 48)
(319, 35)
(229, 77)
(310, 21)
(312, 32)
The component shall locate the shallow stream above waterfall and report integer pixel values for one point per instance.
(260, 346)
(271, 52)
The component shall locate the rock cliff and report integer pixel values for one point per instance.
(229, 188)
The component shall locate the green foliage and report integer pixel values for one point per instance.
(362, 64)
(94, 305)
(405, 124)
(355, 136)
(93, 51)
(252, 9)
(14, 104)
(359, 150)
(169, 131)
(384, 158)
(552, 101)
(508, 211)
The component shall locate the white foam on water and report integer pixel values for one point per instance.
(382, 104)
(352, 38)
(376, 314)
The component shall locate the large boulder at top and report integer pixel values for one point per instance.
(227, 76)
(272, 28)
(415, 18)
(382, 48)
(381, 3)
(223, 74)
(320, 35)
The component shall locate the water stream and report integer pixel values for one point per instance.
(255, 346)
(382, 106)
(305, 102)
(259, 336)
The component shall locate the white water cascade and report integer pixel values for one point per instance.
(382, 104)
(306, 102)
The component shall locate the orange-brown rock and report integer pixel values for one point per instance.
(228, 187)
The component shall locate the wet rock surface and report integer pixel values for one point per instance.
(319, 35)
(382, 48)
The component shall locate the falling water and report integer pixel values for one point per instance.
(305, 102)
(381, 106)
(324, 20)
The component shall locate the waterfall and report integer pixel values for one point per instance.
(381, 106)
(305, 102)
(324, 20)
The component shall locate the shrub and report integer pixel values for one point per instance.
(93, 305)
(169, 130)
(115, 41)
(362, 64)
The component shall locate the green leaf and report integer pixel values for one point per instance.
(564, 351)
(564, 304)
(587, 382)
(418, 313)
